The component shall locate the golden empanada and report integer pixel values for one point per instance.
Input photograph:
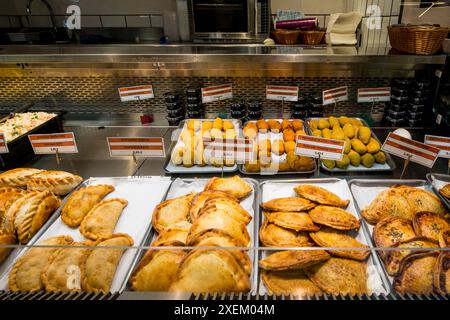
(17, 177)
(172, 211)
(441, 275)
(444, 239)
(6, 238)
(235, 186)
(232, 208)
(210, 271)
(328, 237)
(100, 265)
(294, 283)
(63, 271)
(339, 276)
(320, 195)
(429, 225)
(176, 232)
(58, 182)
(392, 230)
(101, 221)
(26, 273)
(334, 217)
(298, 221)
(423, 200)
(10, 215)
(272, 235)
(7, 197)
(288, 204)
(198, 202)
(445, 191)
(81, 202)
(293, 260)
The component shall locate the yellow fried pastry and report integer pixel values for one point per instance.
(294, 283)
(101, 221)
(334, 217)
(286, 124)
(339, 276)
(228, 125)
(297, 124)
(272, 235)
(299, 163)
(293, 260)
(289, 135)
(6, 238)
(262, 125)
(218, 124)
(429, 225)
(7, 197)
(320, 195)
(26, 273)
(194, 125)
(289, 146)
(328, 237)
(278, 147)
(199, 200)
(210, 271)
(445, 191)
(233, 208)
(207, 125)
(10, 215)
(58, 182)
(444, 239)
(175, 232)
(172, 211)
(288, 204)
(298, 221)
(235, 186)
(441, 274)
(81, 202)
(274, 125)
(423, 200)
(250, 130)
(100, 265)
(17, 177)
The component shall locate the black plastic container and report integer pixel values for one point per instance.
(299, 115)
(193, 99)
(415, 115)
(395, 122)
(399, 99)
(398, 107)
(175, 113)
(194, 107)
(192, 92)
(416, 107)
(254, 105)
(238, 114)
(400, 92)
(396, 115)
(195, 114)
(173, 105)
(418, 100)
(420, 94)
(254, 115)
(174, 121)
(237, 105)
(415, 122)
(171, 97)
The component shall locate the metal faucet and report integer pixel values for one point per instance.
(50, 10)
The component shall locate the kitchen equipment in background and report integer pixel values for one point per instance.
(174, 108)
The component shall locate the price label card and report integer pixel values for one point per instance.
(54, 142)
(216, 93)
(406, 148)
(3, 144)
(334, 95)
(137, 146)
(282, 93)
(136, 93)
(237, 149)
(315, 147)
(442, 143)
(374, 94)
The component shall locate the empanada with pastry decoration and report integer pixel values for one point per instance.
(320, 195)
(26, 272)
(423, 200)
(210, 271)
(81, 201)
(288, 204)
(6, 238)
(294, 283)
(392, 230)
(199, 200)
(176, 232)
(7, 197)
(232, 208)
(7, 223)
(235, 186)
(298, 221)
(33, 213)
(17, 177)
(172, 211)
(445, 191)
(58, 182)
(334, 217)
(441, 275)
(293, 260)
(429, 225)
(101, 221)
(272, 235)
(100, 266)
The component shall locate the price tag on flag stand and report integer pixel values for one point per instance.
(238, 149)
(442, 143)
(334, 95)
(136, 146)
(322, 148)
(374, 94)
(216, 93)
(3, 144)
(282, 93)
(53, 143)
(136, 93)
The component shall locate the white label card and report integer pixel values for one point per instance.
(315, 147)
(442, 143)
(136, 93)
(238, 149)
(335, 95)
(138, 146)
(216, 93)
(282, 93)
(374, 94)
(53, 142)
(3, 144)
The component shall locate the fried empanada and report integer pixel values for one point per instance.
(26, 273)
(6, 238)
(429, 225)
(58, 182)
(339, 276)
(294, 283)
(210, 271)
(100, 265)
(334, 217)
(172, 211)
(444, 239)
(423, 200)
(320, 195)
(272, 235)
(10, 215)
(441, 276)
(392, 230)
(298, 221)
(445, 191)
(63, 271)
(17, 177)
(328, 237)
(81, 202)
(293, 260)
(7, 197)
(233, 208)
(176, 232)
(292, 204)
(101, 221)
(235, 186)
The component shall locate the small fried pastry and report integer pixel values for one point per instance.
(228, 125)
(217, 124)
(298, 221)
(289, 146)
(234, 186)
(445, 191)
(293, 260)
(286, 124)
(274, 125)
(429, 225)
(262, 125)
(297, 124)
(320, 195)
(272, 235)
(278, 147)
(176, 232)
(233, 208)
(294, 283)
(288, 135)
(288, 204)
(250, 130)
(199, 200)
(334, 217)
(172, 211)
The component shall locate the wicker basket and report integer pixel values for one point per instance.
(422, 40)
(283, 36)
(312, 37)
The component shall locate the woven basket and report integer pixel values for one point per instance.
(422, 40)
(312, 37)
(283, 36)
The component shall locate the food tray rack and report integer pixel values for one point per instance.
(431, 177)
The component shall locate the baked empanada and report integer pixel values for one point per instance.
(445, 191)
(63, 271)
(172, 211)
(298, 221)
(233, 208)
(293, 260)
(334, 217)
(429, 225)
(6, 238)
(444, 239)
(17, 177)
(235, 186)
(199, 200)
(272, 235)
(10, 214)
(339, 276)
(288, 204)
(100, 265)
(441, 276)
(320, 195)
(423, 200)
(26, 273)
(7, 197)
(176, 232)
(101, 221)
(392, 230)
(294, 283)
(81, 201)
(210, 271)
(33, 213)
(328, 237)
(58, 182)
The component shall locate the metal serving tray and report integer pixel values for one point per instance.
(373, 262)
(436, 179)
(151, 236)
(388, 166)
